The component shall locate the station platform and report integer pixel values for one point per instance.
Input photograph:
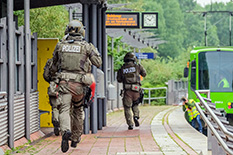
(163, 130)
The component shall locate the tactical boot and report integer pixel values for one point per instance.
(74, 143)
(130, 127)
(136, 121)
(65, 141)
(56, 131)
(56, 128)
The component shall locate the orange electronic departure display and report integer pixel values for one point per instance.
(122, 20)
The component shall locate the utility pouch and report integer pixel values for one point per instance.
(52, 90)
(87, 80)
(135, 87)
(127, 86)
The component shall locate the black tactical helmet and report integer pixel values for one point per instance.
(75, 28)
(129, 57)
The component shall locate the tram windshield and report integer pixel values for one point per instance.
(216, 71)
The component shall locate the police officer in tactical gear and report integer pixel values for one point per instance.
(129, 75)
(73, 58)
(50, 76)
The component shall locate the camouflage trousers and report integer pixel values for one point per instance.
(71, 114)
(55, 111)
(128, 98)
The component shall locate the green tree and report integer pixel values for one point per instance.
(116, 50)
(48, 22)
(174, 29)
(220, 22)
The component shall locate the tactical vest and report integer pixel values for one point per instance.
(74, 57)
(130, 73)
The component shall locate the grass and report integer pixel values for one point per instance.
(17, 149)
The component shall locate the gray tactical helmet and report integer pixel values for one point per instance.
(76, 28)
(129, 57)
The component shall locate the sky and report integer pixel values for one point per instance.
(205, 2)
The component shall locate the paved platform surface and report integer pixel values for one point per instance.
(163, 130)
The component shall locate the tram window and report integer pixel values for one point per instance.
(193, 74)
(215, 71)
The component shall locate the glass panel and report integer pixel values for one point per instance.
(32, 51)
(32, 77)
(17, 48)
(0, 46)
(193, 75)
(1, 78)
(193, 79)
(216, 71)
(17, 78)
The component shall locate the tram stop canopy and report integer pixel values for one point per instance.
(19, 4)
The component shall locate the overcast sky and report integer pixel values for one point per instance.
(204, 2)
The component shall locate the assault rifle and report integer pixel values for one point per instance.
(88, 100)
(140, 99)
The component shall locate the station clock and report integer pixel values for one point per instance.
(149, 20)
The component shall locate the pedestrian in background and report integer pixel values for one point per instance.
(129, 75)
(194, 115)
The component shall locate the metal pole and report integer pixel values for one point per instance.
(104, 58)
(28, 65)
(112, 70)
(205, 30)
(93, 39)
(149, 96)
(99, 34)
(139, 51)
(86, 24)
(118, 86)
(86, 21)
(70, 14)
(230, 28)
(11, 74)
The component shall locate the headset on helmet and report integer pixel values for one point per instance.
(129, 57)
(76, 28)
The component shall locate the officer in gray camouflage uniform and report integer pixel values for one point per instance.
(129, 75)
(73, 58)
(50, 76)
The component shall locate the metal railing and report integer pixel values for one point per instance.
(214, 123)
(150, 97)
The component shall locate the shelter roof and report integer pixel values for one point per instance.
(19, 4)
(137, 38)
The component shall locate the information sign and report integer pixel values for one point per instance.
(144, 55)
(122, 20)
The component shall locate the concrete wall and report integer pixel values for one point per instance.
(176, 90)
